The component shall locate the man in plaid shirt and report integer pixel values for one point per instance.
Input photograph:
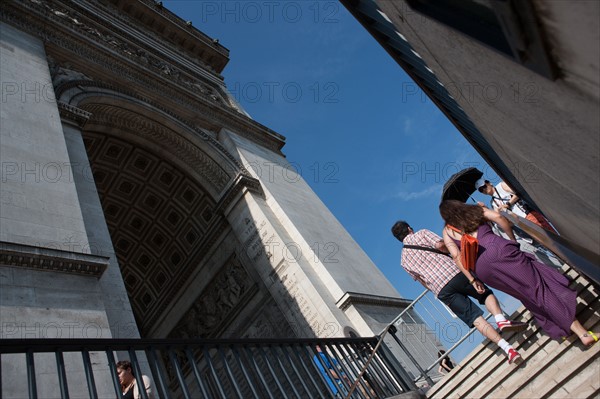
(425, 258)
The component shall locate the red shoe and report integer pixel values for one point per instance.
(514, 357)
(511, 326)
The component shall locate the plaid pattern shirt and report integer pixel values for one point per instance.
(431, 269)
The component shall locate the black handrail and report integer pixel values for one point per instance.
(205, 368)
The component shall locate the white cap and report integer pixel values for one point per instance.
(479, 183)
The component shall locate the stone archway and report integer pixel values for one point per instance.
(161, 221)
(139, 95)
(163, 186)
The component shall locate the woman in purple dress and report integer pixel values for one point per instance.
(500, 264)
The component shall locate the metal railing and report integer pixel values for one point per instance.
(421, 331)
(344, 367)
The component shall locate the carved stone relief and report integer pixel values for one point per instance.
(62, 73)
(135, 52)
(270, 323)
(221, 299)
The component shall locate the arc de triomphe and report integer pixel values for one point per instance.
(138, 199)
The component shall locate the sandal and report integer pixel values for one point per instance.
(590, 334)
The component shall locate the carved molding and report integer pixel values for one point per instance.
(91, 24)
(64, 73)
(84, 85)
(184, 25)
(182, 29)
(73, 114)
(68, 35)
(132, 50)
(25, 256)
(177, 145)
(241, 181)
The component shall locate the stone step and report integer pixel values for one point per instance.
(585, 385)
(566, 373)
(408, 395)
(552, 368)
(549, 367)
(533, 346)
(482, 361)
(547, 357)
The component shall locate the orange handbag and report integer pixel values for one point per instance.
(468, 249)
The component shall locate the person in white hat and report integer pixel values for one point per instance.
(504, 198)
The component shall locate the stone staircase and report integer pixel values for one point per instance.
(552, 369)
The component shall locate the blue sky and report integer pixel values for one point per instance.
(368, 142)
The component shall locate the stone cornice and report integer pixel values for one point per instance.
(243, 180)
(355, 298)
(25, 256)
(117, 37)
(67, 36)
(194, 41)
(73, 114)
(117, 27)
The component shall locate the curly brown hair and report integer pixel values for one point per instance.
(462, 216)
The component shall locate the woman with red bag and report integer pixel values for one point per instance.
(485, 257)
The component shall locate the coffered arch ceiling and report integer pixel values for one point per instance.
(161, 191)
(140, 120)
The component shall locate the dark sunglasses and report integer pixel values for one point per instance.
(480, 189)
